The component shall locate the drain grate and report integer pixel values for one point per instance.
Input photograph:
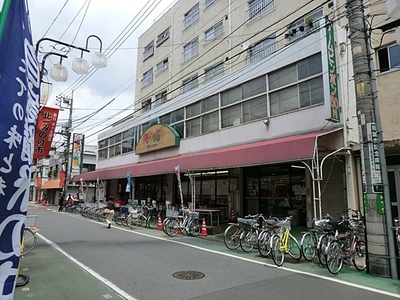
(188, 275)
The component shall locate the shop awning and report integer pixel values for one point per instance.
(293, 148)
(52, 184)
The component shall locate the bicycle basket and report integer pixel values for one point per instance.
(135, 213)
(172, 213)
(323, 224)
(153, 211)
(30, 220)
(285, 224)
(194, 215)
(246, 223)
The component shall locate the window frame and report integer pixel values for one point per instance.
(148, 50)
(190, 50)
(147, 78)
(214, 32)
(191, 16)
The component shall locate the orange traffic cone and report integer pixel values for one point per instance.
(203, 228)
(159, 223)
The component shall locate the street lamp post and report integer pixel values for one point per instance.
(59, 73)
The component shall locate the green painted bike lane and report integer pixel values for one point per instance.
(54, 276)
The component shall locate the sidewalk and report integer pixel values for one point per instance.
(54, 276)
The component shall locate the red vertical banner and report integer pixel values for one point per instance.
(45, 128)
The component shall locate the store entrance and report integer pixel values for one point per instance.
(277, 191)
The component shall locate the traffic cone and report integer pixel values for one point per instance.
(204, 228)
(159, 223)
(233, 216)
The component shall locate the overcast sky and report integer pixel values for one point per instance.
(118, 24)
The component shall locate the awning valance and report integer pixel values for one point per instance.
(52, 184)
(292, 148)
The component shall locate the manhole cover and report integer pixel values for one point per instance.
(188, 275)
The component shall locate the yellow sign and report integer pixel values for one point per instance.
(157, 137)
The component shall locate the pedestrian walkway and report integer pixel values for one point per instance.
(54, 276)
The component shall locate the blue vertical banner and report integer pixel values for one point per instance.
(19, 102)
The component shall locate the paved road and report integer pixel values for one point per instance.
(139, 264)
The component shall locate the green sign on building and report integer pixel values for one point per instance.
(333, 82)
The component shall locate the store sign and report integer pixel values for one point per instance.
(45, 129)
(77, 152)
(334, 111)
(157, 137)
(374, 160)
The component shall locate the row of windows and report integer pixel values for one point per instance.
(293, 87)
(191, 49)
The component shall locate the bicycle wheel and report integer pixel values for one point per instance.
(334, 261)
(30, 240)
(248, 239)
(151, 222)
(277, 255)
(171, 228)
(118, 218)
(141, 220)
(131, 222)
(321, 248)
(359, 256)
(264, 247)
(232, 237)
(309, 246)
(294, 249)
(194, 227)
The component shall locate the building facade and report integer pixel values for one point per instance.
(246, 83)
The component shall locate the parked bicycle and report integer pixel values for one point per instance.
(144, 216)
(234, 231)
(310, 240)
(270, 228)
(284, 243)
(182, 221)
(348, 246)
(29, 239)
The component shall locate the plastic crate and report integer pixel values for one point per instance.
(30, 220)
(172, 213)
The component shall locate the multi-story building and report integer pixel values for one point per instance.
(241, 89)
(48, 176)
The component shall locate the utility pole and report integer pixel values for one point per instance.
(374, 208)
(68, 129)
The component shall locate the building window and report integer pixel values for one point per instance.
(191, 16)
(128, 141)
(146, 105)
(262, 49)
(303, 26)
(103, 154)
(257, 8)
(162, 66)
(247, 111)
(190, 50)
(389, 58)
(214, 72)
(296, 86)
(207, 3)
(189, 84)
(148, 50)
(147, 78)
(162, 37)
(214, 32)
(161, 98)
(115, 145)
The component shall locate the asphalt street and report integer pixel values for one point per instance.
(78, 258)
